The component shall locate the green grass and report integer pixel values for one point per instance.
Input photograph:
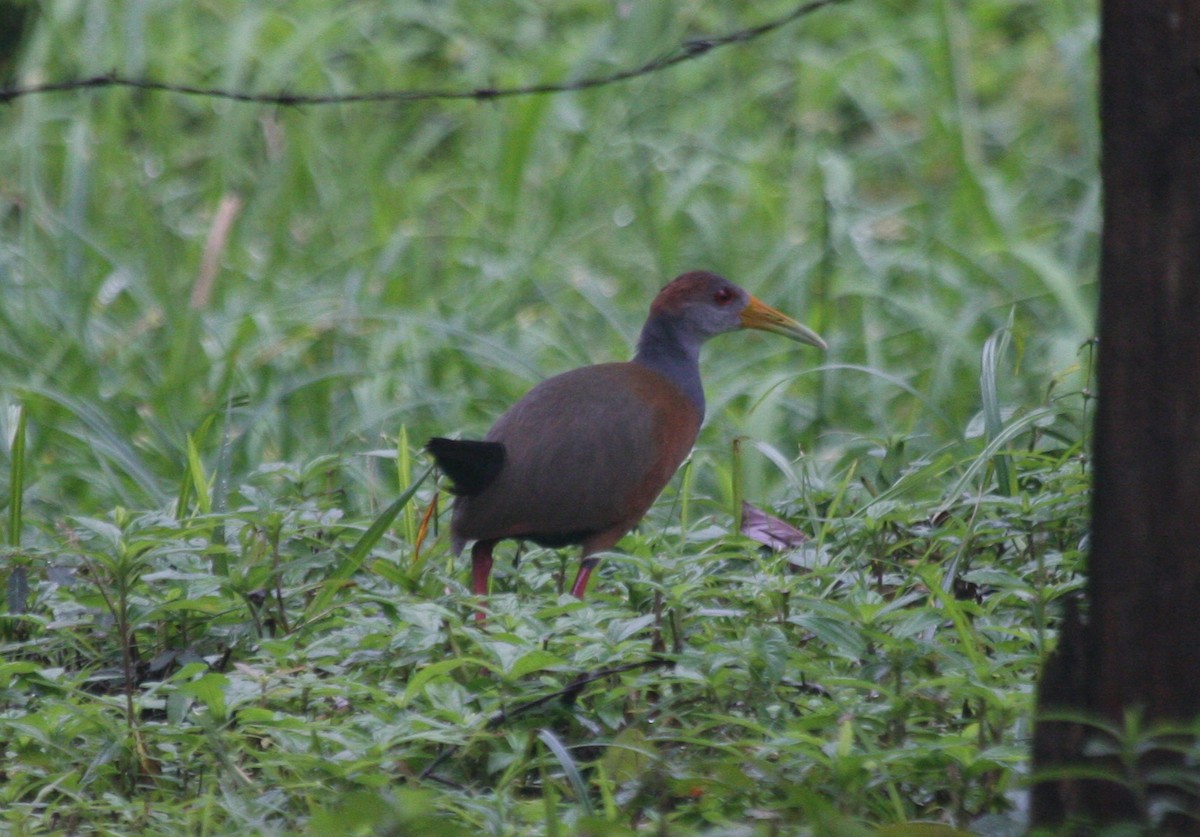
(216, 618)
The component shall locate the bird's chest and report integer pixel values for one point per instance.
(673, 422)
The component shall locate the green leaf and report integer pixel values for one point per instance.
(532, 661)
(439, 669)
(209, 689)
(353, 559)
(629, 755)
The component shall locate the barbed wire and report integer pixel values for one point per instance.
(686, 51)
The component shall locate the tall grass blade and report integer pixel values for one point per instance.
(737, 490)
(993, 351)
(200, 482)
(353, 559)
(17, 587)
(569, 768)
(686, 485)
(1016, 428)
(404, 474)
(16, 479)
(518, 145)
(109, 445)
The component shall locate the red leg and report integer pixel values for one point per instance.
(481, 569)
(579, 588)
(598, 543)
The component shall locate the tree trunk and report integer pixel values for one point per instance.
(1136, 652)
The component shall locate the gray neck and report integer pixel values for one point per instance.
(673, 355)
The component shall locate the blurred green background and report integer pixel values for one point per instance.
(902, 176)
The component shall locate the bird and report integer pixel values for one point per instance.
(583, 455)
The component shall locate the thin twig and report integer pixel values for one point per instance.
(570, 689)
(686, 51)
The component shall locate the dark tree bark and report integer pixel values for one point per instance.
(1137, 647)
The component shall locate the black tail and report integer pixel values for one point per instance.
(472, 465)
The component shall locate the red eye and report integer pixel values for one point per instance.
(723, 296)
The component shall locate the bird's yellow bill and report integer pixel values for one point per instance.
(762, 316)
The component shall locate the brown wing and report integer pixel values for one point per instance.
(585, 451)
